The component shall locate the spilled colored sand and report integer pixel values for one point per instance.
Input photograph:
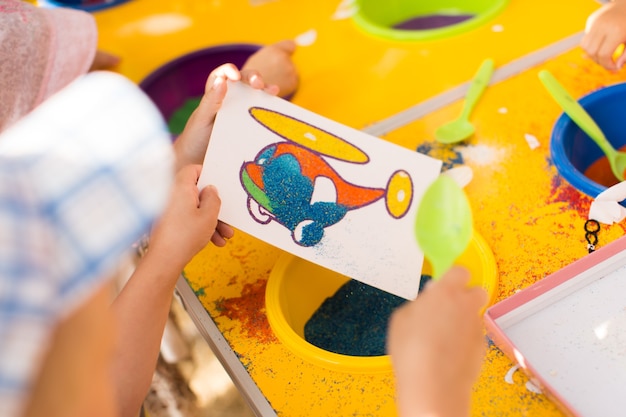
(353, 321)
(179, 118)
(433, 21)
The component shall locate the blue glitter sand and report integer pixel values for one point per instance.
(290, 194)
(354, 320)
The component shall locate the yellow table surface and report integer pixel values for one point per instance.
(531, 218)
(347, 75)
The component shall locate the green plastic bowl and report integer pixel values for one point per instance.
(411, 20)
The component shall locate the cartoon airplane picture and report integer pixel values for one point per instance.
(292, 183)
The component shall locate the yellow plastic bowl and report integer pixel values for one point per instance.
(297, 288)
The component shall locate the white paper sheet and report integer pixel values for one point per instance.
(323, 191)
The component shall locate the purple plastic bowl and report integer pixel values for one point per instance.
(183, 78)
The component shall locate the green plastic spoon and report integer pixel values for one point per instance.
(443, 225)
(573, 109)
(461, 128)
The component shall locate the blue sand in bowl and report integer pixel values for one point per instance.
(354, 320)
(433, 21)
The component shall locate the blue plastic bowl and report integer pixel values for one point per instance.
(573, 152)
(85, 5)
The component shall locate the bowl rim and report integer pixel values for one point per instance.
(340, 362)
(158, 73)
(562, 163)
(298, 345)
(366, 24)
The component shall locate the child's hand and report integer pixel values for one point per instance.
(192, 143)
(189, 221)
(274, 64)
(605, 31)
(104, 61)
(436, 343)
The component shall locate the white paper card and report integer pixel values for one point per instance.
(320, 190)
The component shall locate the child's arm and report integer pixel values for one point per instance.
(187, 225)
(605, 31)
(436, 343)
(141, 309)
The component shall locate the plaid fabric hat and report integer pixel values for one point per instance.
(82, 177)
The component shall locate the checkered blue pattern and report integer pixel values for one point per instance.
(81, 178)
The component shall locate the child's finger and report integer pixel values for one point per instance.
(253, 78)
(212, 99)
(287, 45)
(456, 277)
(606, 51)
(104, 60)
(210, 202)
(272, 89)
(457, 280)
(225, 230)
(218, 240)
(189, 173)
(225, 71)
(478, 297)
(621, 60)
(591, 45)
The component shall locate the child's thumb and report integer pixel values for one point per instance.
(210, 201)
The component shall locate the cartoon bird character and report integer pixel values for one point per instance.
(284, 177)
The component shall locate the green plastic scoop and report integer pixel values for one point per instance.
(443, 225)
(461, 128)
(573, 109)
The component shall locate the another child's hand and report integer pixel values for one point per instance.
(104, 61)
(605, 31)
(274, 64)
(192, 143)
(189, 222)
(437, 343)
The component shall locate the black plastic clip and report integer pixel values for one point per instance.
(592, 228)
